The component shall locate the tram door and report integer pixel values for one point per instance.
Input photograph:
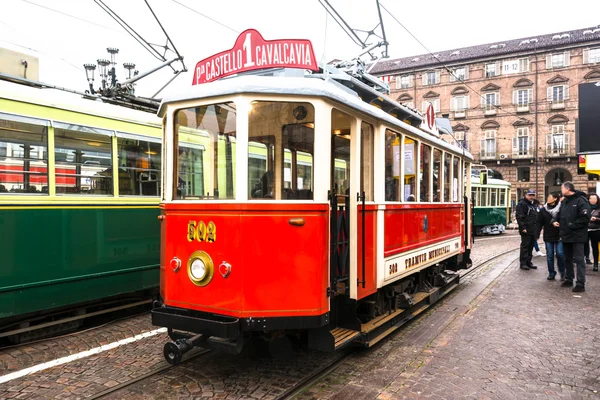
(340, 192)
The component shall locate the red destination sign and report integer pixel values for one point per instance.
(252, 52)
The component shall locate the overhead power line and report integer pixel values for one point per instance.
(206, 16)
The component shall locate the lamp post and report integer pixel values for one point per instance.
(130, 72)
(89, 74)
(103, 67)
(113, 51)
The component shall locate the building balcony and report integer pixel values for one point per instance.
(558, 146)
(557, 105)
(523, 108)
(522, 154)
(488, 155)
(460, 114)
(489, 112)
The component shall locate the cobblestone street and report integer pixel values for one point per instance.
(503, 334)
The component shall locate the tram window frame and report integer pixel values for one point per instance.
(503, 195)
(393, 164)
(23, 127)
(367, 160)
(216, 140)
(493, 197)
(73, 143)
(447, 177)
(484, 197)
(475, 196)
(456, 176)
(291, 127)
(140, 171)
(410, 155)
(426, 172)
(437, 179)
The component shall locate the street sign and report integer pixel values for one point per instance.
(252, 52)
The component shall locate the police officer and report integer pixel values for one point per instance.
(527, 216)
(573, 219)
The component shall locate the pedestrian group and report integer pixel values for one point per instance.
(569, 221)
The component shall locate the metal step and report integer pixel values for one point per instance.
(343, 337)
(331, 339)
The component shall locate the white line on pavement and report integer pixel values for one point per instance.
(78, 356)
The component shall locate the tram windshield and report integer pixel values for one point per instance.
(205, 152)
(280, 151)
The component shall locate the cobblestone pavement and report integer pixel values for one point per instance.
(523, 338)
(220, 376)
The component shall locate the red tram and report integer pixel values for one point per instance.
(311, 205)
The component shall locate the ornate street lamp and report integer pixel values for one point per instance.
(129, 68)
(89, 74)
(103, 67)
(113, 51)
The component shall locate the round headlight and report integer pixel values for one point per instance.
(198, 269)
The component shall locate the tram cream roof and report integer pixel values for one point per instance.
(70, 101)
(314, 87)
(491, 181)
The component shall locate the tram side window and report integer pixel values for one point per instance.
(483, 197)
(366, 162)
(475, 197)
(425, 172)
(447, 177)
(341, 124)
(205, 150)
(493, 197)
(502, 202)
(410, 170)
(280, 151)
(437, 162)
(23, 157)
(456, 180)
(392, 166)
(139, 165)
(83, 160)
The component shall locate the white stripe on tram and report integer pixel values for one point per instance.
(78, 356)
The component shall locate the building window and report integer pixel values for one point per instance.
(515, 66)
(435, 103)
(488, 144)
(431, 77)
(459, 103)
(591, 56)
(558, 93)
(404, 81)
(522, 143)
(459, 74)
(557, 143)
(491, 70)
(558, 60)
(522, 97)
(523, 174)
(489, 101)
(461, 140)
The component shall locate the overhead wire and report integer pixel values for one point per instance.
(205, 16)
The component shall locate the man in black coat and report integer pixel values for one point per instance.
(527, 216)
(573, 219)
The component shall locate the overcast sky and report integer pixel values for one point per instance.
(64, 43)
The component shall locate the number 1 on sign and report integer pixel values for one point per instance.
(248, 49)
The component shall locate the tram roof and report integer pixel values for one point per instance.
(54, 98)
(313, 87)
(491, 181)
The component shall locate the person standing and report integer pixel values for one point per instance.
(572, 220)
(594, 227)
(527, 216)
(536, 246)
(554, 247)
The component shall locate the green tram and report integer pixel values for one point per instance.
(491, 205)
(80, 185)
(79, 195)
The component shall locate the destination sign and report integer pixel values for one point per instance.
(252, 52)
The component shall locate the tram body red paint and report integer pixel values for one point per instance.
(277, 269)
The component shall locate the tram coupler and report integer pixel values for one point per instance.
(174, 351)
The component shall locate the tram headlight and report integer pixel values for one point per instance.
(200, 268)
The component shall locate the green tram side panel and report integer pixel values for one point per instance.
(489, 216)
(55, 257)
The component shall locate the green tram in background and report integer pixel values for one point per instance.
(491, 205)
(80, 185)
(79, 194)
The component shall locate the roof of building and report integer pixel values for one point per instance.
(489, 50)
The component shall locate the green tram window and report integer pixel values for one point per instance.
(23, 155)
(83, 160)
(138, 158)
(281, 138)
(502, 202)
(205, 152)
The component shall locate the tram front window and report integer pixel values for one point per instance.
(280, 151)
(205, 152)
(23, 157)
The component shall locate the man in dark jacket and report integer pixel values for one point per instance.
(527, 215)
(573, 219)
(552, 236)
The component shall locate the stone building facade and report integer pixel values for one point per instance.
(512, 104)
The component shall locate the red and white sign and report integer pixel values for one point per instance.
(252, 52)
(430, 117)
